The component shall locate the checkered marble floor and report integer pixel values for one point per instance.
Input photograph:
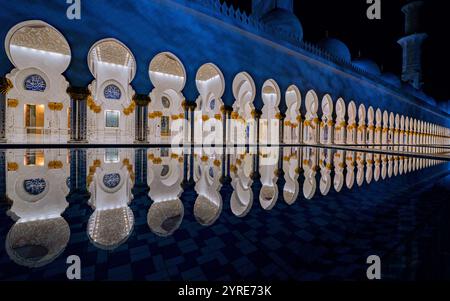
(325, 238)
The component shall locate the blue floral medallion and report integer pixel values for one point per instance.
(34, 186)
(35, 82)
(112, 92)
(111, 180)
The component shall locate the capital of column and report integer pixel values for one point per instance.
(255, 175)
(191, 105)
(225, 180)
(5, 85)
(78, 93)
(141, 99)
(258, 114)
(227, 109)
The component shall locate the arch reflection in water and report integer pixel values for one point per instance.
(110, 180)
(241, 171)
(268, 169)
(291, 161)
(39, 234)
(164, 176)
(310, 167)
(326, 166)
(207, 174)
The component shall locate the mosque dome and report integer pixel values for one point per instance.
(392, 79)
(336, 48)
(367, 65)
(284, 20)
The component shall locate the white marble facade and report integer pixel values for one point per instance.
(111, 109)
(110, 181)
(37, 105)
(37, 184)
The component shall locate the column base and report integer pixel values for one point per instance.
(140, 142)
(3, 140)
(77, 141)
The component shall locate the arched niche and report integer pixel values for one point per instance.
(370, 132)
(391, 127)
(242, 118)
(269, 125)
(340, 127)
(378, 117)
(271, 94)
(351, 127)
(110, 115)
(397, 130)
(167, 72)
(166, 113)
(110, 58)
(385, 119)
(293, 125)
(414, 131)
(326, 127)
(391, 120)
(378, 125)
(406, 135)
(403, 139)
(311, 124)
(40, 54)
(36, 44)
(210, 85)
(361, 135)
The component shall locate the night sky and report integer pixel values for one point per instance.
(377, 39)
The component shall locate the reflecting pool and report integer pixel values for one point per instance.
(302, 213)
